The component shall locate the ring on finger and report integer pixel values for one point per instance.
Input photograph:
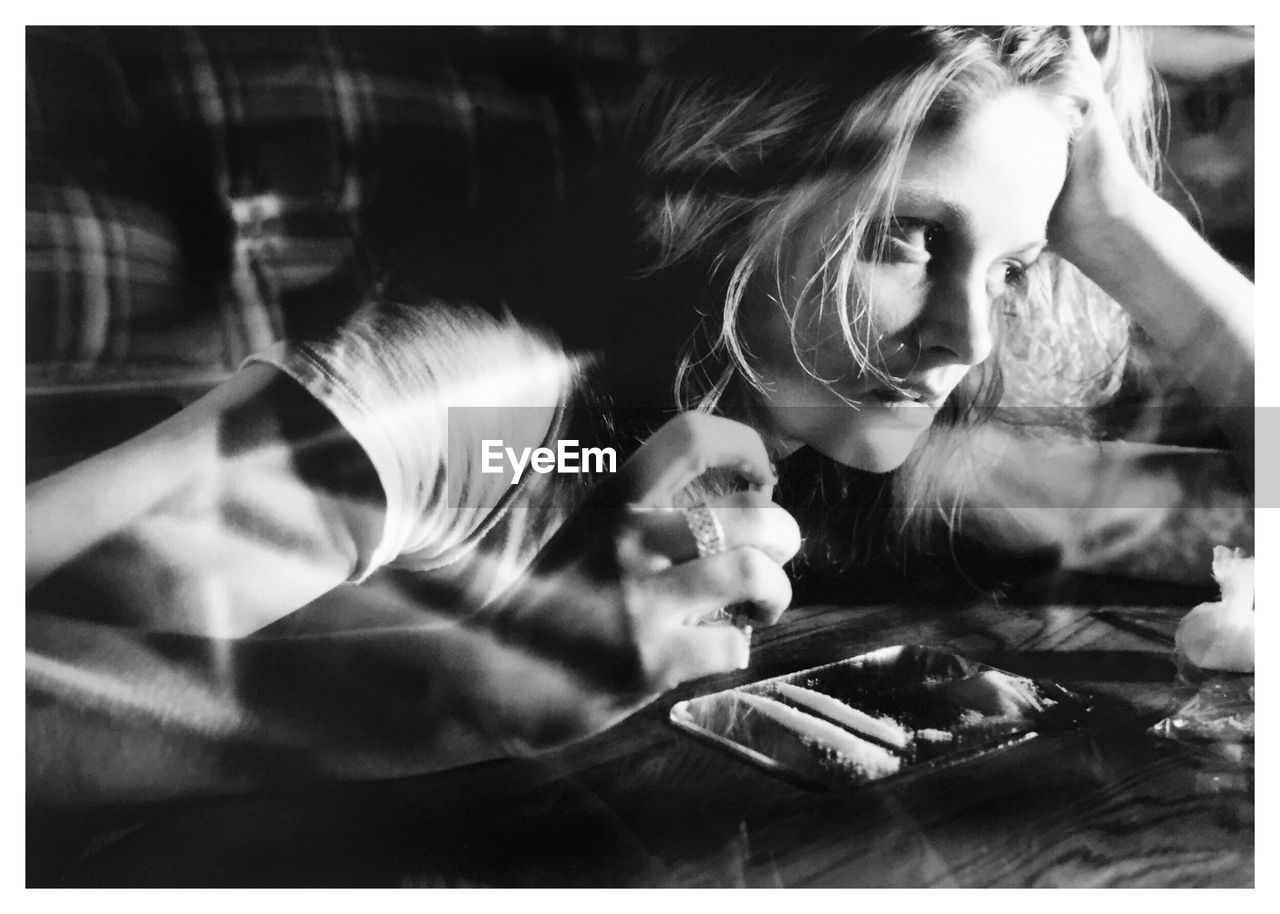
(738, 620)
(705, 528)
(714, 618)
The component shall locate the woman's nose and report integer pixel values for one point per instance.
(957, 321)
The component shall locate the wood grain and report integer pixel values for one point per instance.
(644, 805)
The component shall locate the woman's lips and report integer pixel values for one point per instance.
(907, 397)
(915, 408)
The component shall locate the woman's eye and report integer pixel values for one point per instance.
(910, 240)
(913, 231)
(1015, 276)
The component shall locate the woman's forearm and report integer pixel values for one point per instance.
(208, 523)
(1195, 305)
(73, 510)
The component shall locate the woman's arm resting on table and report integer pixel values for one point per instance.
(236, 511)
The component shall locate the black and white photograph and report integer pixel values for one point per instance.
(639, 456)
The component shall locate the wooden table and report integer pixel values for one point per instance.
(645, 805)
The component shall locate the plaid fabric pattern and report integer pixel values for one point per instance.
(96, 263)
(101, 257)
(276, 172)
(333, 149)
(345, 119)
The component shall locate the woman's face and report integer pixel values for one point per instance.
(968, 219)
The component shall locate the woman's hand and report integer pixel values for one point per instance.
(1102, 182)
(620, 606)
(1139, 250)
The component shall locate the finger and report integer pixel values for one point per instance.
(747, 519)
(682, 653)
(1090, 69)
(1079, 41)
(688, 446)
(692, 590)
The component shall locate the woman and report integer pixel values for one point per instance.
(882, 225)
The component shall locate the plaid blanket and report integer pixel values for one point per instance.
(194, 194)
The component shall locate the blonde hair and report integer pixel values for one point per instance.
(749, 136)
(749, 142)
